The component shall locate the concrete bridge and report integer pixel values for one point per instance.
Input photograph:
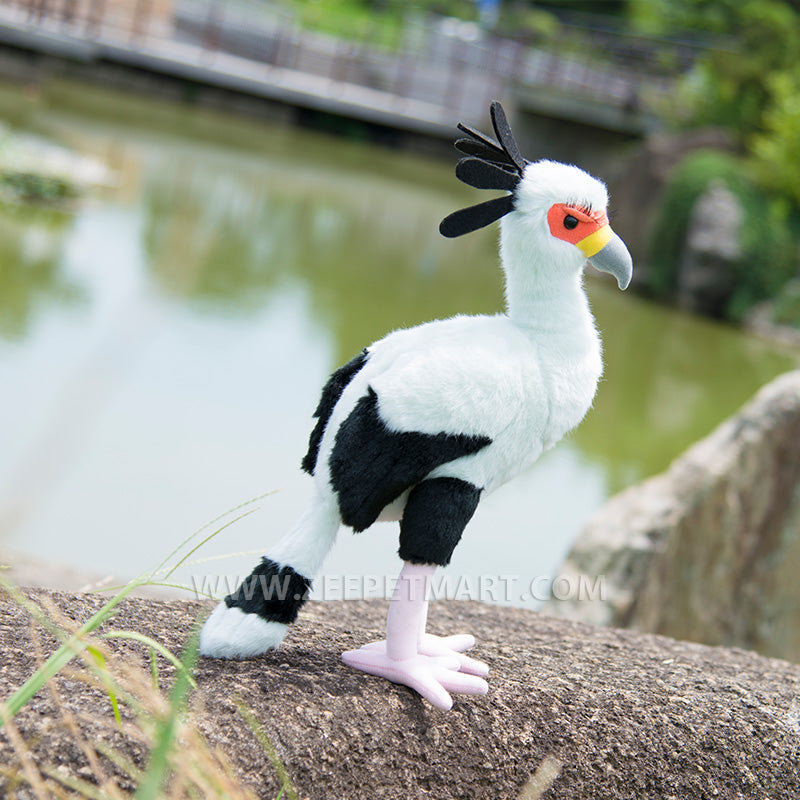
(443, 70)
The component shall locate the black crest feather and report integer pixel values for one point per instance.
(486, 174)
(471, 147)
(471, 218)
(489, 164)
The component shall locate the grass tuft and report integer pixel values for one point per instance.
(148, 747)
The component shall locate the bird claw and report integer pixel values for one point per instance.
(451, 647)
(454, 646)
(437, 669)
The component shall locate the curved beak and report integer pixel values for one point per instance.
(607, 252)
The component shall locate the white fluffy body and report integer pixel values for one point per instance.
(523, 378)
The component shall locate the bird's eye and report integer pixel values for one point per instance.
(570, 222)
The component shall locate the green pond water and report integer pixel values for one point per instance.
(163, 344)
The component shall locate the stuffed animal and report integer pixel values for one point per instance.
(421, 424)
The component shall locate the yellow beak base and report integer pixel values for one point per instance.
(595, 242)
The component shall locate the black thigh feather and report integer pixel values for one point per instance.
(434, 518)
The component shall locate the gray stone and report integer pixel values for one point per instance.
(707, 551)
(707, 271)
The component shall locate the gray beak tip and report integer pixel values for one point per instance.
(615, 259)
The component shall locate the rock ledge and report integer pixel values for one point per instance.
(626, 715)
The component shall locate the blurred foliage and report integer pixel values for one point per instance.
(380, 23)
(748, 83)
(776, 147)
(767, 258)
(786, 309)
(520, 20)
(752, 42)
(615, 7)
(29, 187)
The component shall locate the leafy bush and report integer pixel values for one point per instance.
(768, 254)
(29, 187)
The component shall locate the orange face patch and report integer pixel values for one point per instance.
(573, 224)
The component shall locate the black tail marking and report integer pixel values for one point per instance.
(273, 592)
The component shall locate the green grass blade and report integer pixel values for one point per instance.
(183, 587)
(208, 539)
(149, 583)
(207, 526)
(64, 654)
(222, 556)
(155, 778)
(153, 645)
(154, 668)
(108, 682)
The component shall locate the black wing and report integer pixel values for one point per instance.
(371, 466)
(330, 397)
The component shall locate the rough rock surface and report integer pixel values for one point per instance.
(707, 551)
(626, 715)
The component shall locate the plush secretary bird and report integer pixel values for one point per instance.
(423, 422)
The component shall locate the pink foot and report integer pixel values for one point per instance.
(433, 666)
(437, 669)
(452, 647)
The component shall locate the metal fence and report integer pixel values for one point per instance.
(453, 65)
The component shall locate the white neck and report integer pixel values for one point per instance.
(544, 290)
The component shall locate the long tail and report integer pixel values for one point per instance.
(255, 617)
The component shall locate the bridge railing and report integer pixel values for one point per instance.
(448, 63)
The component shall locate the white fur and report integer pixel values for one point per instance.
(523, 378)
(537, 265)
(230, 633)
(304, 548)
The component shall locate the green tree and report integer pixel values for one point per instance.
(752, 43)
(748, 82)
(776, 148)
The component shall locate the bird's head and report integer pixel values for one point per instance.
(557, 211)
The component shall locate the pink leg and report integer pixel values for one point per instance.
(431, 665)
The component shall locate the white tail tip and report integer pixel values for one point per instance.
(230, 633)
